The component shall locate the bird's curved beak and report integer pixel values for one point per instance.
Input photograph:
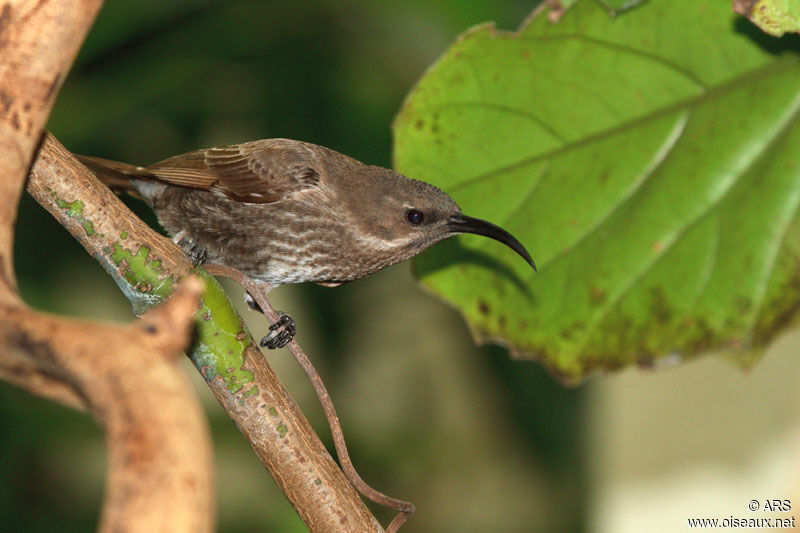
(463, 224)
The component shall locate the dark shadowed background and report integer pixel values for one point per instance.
(476, 441)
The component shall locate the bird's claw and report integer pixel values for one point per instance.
(197, 253)
(281, 332)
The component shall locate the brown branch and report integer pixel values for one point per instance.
(159, 451)
(158, 446)
(262, 410)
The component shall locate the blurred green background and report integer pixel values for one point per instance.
(478, 442)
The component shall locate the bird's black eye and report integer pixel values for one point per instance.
(414, 217)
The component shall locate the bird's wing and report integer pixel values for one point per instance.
(255, 172)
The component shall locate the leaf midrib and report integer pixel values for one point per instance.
(752, 76)
(623, 48)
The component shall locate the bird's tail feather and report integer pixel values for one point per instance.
(117, 176)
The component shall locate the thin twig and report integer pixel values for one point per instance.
(406, 509)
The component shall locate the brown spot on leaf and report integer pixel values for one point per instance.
(602, 179)
(659, 305)
(781, 308)
(744, 304)
(598, 295)
(483, 307)
(702, 338)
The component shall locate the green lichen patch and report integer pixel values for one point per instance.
(142, 279)
(282, 429)
(221, 339)
(75, 211)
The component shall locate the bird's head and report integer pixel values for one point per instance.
(395, 212)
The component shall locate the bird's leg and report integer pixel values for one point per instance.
(197, 253)
(257, 292)
(283, 328)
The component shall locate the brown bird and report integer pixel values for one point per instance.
(285, 211)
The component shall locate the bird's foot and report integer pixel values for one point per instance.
(281, 332)
(196, 252)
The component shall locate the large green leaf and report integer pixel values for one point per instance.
(650, 163)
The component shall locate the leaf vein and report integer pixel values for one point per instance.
(661, 154)
(677, 234)
(507, 109)
(761, 292)
(752, 76)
